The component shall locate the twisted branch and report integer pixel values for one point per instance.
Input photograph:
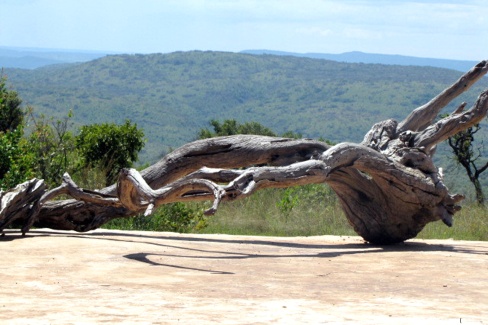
(388, 185)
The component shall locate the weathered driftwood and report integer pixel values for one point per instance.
(388, 185)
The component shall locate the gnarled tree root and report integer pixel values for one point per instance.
(388, 185)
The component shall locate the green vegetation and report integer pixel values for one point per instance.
(311, 210)
(15, 160)
(93, 157)
(52, 149)
(298, 211)
(53, 145)
(471, 223)
(471, 158)
(169, 96)
(109, 147)
(176, 217)
(316, 211)
(11, 114)
(231, 127)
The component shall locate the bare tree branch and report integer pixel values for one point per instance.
(388, 185)
(453, 124)
(424, 115)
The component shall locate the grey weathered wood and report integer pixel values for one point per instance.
(388, 184)
(19, 202)
(423, 116)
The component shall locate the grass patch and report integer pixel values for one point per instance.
(298, 211)
(311, 210)
(471, 223)
(314, 210)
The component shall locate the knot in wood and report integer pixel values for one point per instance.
(380, 134)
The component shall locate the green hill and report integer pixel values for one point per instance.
(171, 96)
(357, 57)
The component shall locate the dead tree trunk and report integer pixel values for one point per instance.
(388, 185)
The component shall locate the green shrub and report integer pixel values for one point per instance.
(16, 162)
(175, 217)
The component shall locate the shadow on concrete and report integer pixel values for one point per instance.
(332, 250)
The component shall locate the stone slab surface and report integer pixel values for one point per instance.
(120, 277)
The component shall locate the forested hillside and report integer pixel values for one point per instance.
(361, 57)
(172, 96)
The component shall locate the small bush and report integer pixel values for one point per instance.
(175, 217)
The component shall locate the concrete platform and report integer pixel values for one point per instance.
(120, 277)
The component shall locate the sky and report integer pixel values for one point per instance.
(456, 29)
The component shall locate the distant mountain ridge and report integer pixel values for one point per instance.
(361, 57)
(32, 58)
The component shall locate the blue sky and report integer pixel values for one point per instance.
(436, 28)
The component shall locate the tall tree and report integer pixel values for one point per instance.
(11, 113)
(470, 158)
(15, 160)
(53, 145)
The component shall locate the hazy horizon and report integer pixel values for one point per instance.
(441, 29)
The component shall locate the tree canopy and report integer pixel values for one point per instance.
(232, 127)
(11, 114)
(52, 148)
(110, 147)
(15, 161)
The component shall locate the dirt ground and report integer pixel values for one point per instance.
(120, 277)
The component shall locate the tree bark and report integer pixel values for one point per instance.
(388, 185)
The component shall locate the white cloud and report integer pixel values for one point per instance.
(435, 28)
